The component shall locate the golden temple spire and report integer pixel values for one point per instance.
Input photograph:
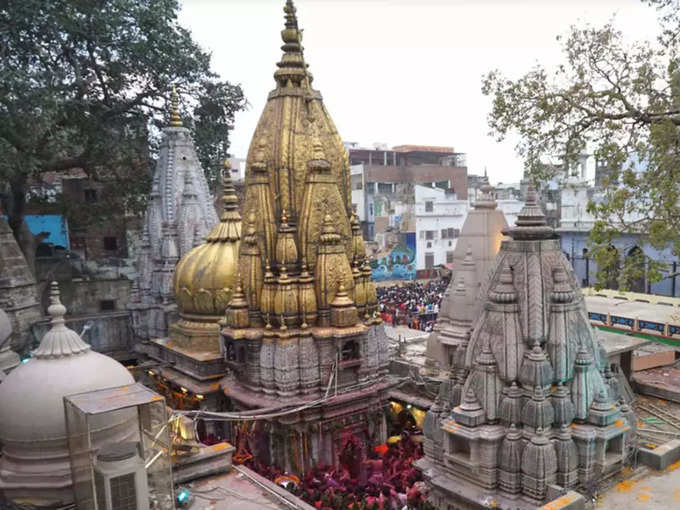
(292, 69)
(229, 227)
(286, 249)
(237, 311)
(343, 310)
(229, 198)
(175, 120)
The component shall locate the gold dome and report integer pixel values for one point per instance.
(205, 277)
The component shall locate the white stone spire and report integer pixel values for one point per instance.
(180, 200)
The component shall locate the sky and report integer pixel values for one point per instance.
(402, 71)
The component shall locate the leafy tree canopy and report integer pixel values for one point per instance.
(621, 102)
(84, 85)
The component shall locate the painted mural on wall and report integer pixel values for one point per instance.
(399, 263)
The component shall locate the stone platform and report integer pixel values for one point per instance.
(660, 382)
(209, 460)
(648, 489)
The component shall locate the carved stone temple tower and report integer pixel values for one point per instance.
(302, 324)
(179, 215)
(474, 255)
(529, 406)
(18, 292)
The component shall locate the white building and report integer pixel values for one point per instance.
(439, 219)
(511, 209)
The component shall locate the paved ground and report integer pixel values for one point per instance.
(407, 333)
(659, 490)
(633, 309)
(234, 491)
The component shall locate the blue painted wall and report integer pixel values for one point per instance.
(55, 224)
(573, 244)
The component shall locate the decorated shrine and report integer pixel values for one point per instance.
(529, 404)
(301, 327)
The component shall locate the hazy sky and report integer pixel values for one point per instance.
(401, 71)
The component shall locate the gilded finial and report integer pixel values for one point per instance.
(175, 120)
(284, 217)
(229, 198)
(292, 68)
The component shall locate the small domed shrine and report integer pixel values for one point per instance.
(530, 405)
(474, 255)
(35, 464)
(302, 326)
(179, 215)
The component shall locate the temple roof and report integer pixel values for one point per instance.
(531, 222)
(206, 276)
(284, 145)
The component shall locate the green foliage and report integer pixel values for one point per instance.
(84, 85)
(613, 99)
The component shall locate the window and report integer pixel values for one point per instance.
(384, 187)
(90, 196)
(230, 352)
(107, 305)
(451, 232)
(358, 186)
(429, 206)
(429, 245)
(429, 260)
(110, 243)
(370, 187)
(429, 235)
(370, 209)
(77, 243)
(449, 257)
(445, 233)
(350, 351)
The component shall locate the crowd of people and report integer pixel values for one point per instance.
(385, 479)
(412, 304)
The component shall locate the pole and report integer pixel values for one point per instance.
(675, 268)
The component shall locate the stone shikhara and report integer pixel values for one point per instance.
(528, 403)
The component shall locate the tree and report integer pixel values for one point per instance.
(84, 85)
(620, 101)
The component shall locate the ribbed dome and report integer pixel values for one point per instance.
(32, 423)
(206, 276)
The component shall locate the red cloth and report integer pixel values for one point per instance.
(381, 449)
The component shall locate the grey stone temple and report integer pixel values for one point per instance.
(529, 408)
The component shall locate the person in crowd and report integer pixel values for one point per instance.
(412, 304)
